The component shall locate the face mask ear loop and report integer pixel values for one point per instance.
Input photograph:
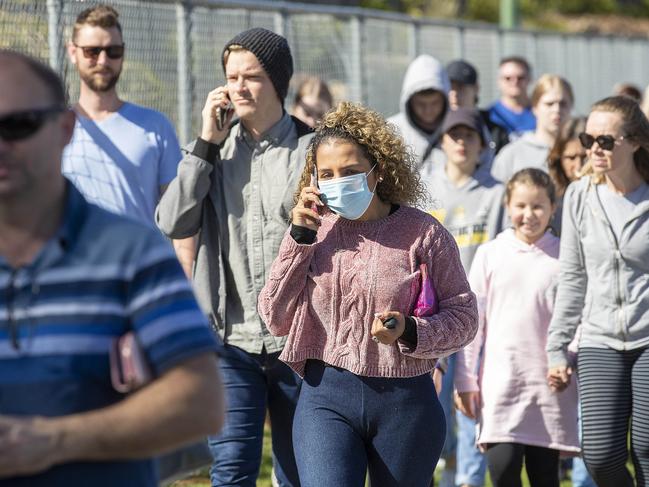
(377, 179)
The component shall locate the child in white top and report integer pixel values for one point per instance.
(514, 278)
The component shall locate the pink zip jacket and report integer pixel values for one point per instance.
(515, 284)
(324, 296)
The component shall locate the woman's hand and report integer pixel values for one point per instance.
(559, 377)
(468, 403)
(384, 335)
(305, 213)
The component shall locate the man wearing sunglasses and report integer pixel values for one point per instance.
(73, 278)
(122, 155)
(513, 111)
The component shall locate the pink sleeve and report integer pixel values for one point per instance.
(457, 320)
(466, 364)
(281, 296)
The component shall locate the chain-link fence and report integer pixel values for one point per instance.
(174, 47)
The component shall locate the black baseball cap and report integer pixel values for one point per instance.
(468, 117)
(462, 72)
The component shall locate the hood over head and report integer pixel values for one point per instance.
(424, 73)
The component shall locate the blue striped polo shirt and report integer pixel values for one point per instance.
(99, 277)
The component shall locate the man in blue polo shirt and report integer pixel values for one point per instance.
(74, 277)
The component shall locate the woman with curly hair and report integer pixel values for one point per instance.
(344, 288)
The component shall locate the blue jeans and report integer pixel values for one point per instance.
(446, 399)
(346, 425)
(254, 383)
(471, 464)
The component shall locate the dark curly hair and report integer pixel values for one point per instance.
(380, 144)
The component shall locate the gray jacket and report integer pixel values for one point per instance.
(615, 273)
(239, 205)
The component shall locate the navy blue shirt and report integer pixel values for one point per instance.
(99, 277)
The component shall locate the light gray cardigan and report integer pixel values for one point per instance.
(615, 274)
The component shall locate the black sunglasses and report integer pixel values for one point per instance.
(605, 142)
(93, 52)
(20, 125)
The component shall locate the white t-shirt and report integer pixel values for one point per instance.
(619, 207)
(120, 163)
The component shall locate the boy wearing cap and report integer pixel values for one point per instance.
(235, 190)
(469, 205)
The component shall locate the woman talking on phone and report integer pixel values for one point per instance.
(344, 288)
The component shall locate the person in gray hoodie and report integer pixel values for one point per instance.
(552, 101)
(604, 287)
(423, 104)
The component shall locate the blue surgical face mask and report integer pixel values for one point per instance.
(350, 196)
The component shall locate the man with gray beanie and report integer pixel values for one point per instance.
(234, 191)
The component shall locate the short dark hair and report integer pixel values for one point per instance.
(43, 72)
(521, 61)
(103, 16)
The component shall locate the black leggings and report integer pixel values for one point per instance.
(505, 462)
(614, 389)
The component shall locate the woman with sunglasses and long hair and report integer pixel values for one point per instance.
(344, 288)
(565, 161)
(605, 250)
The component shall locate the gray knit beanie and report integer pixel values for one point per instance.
(273, 54)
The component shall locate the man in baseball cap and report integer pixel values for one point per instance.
(235, 189)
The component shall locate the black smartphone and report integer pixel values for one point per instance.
(222, 114)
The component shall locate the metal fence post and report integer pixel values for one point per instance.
(413, 38)
(185, 72)
(459, 42)
(280, 21)
(55, 35)
(357, 25)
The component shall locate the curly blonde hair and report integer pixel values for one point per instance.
(380, 144)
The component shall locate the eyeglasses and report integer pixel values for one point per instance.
(20, 125)
(93, 52)
(605, 142)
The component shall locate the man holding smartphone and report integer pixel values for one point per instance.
(235, 190)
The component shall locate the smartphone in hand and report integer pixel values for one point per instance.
(314, 183)
(222, 114)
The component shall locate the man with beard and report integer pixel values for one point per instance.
(122, 155)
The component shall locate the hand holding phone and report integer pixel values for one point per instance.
(217, 113)
(222, 115)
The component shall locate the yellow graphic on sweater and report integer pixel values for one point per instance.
(466, 234)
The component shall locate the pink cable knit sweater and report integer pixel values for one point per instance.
(324, 296)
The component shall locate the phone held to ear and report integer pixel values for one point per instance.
(222, 114)
(314, 184)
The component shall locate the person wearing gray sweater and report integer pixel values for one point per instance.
(552, 101)
(604, 287)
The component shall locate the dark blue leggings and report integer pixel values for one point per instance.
(346, 424)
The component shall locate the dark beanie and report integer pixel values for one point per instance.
(273, 54)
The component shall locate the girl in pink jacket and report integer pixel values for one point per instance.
(514, 278)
